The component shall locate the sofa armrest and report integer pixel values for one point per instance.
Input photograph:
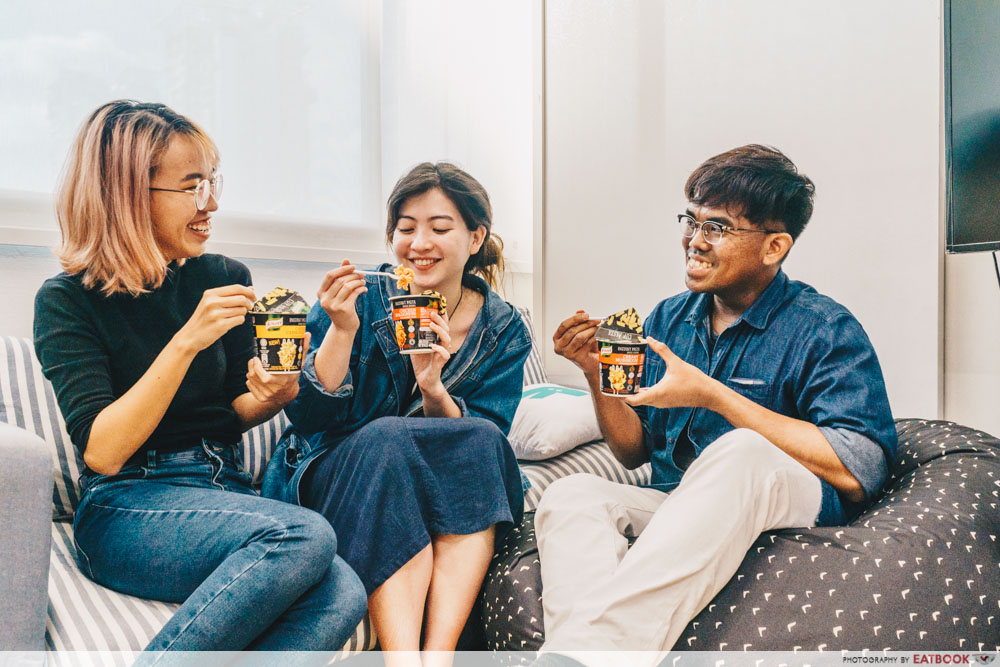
(25, 538)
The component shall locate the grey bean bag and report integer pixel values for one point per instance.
(919, 570)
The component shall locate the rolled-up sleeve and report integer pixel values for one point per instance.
(863, 457)
(311, 382)
(844, 395)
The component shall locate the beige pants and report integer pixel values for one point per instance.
(598, 594)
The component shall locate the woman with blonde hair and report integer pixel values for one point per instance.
(407, 456)
(145, 340)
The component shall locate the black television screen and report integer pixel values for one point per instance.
(972, 123)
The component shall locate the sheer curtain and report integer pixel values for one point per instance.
(318, 107)
(289, 91)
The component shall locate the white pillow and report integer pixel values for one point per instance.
(550, 420)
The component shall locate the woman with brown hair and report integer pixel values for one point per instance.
(408, 457)
(145, 340)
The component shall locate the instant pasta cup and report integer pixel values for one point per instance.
(621, 359)
(411, 322)
(279, 340)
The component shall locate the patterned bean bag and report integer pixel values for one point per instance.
(919, 570)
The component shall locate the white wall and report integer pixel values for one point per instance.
(972, 356)
(639, 93)
(457, 85)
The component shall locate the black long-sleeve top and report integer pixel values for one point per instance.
(93, 348)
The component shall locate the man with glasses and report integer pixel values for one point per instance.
(763, 407)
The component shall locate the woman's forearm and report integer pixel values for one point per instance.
(440, 404)
(333, 358)
(121, 428)
(251, 411)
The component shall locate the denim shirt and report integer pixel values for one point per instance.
(484, 379)
(795, 352)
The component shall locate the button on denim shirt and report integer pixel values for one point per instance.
(795, 352)
(483, 378)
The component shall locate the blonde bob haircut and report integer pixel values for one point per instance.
(103, 203)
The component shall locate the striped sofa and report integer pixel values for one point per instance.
(84, 616)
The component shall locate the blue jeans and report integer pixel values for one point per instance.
(252, 573)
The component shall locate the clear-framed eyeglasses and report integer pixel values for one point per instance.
(711, 230)
(206, 188)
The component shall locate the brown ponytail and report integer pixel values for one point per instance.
(469, 197)
(488, 262)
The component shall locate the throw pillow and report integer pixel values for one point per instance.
(550, 420)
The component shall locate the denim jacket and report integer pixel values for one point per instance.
(795, 352)
(483, 378)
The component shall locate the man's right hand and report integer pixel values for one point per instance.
(337, 294)
(575, 340)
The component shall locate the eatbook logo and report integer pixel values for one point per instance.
(985, 658)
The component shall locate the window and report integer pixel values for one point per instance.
(288, 92)
(317, 106)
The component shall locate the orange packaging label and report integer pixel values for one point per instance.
(404, 314)
(418, 312)
(622, 359)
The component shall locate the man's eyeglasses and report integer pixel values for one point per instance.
(206, 188)
(712, 231)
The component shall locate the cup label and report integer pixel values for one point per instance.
(411, 318)
(279, 338)
(621, 368)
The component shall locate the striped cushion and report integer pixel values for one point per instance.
(594, 458)
(534, 372)
(28, 401)
(84, 616)
(259, 443)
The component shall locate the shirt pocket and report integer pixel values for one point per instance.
(757, 387)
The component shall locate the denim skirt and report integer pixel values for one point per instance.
(392, 485)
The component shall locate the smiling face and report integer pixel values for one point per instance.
(180, 229)
(432, 239)
(737, 268)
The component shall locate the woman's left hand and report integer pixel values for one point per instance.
(275, 389)
(427, 367)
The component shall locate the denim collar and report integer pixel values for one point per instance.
(490, 323)
(759, 312)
